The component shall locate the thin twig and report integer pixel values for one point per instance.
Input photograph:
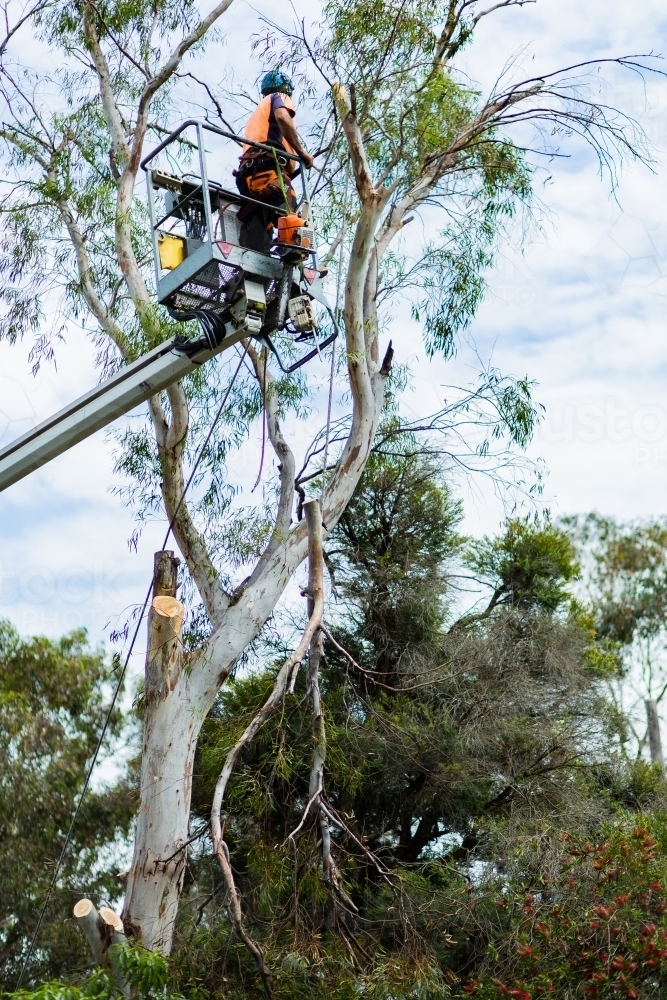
(372, 674)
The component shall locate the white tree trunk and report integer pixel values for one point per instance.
(153, 887)
(170, 738)
(654, 738)
(178, 700)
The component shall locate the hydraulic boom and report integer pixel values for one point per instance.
(133, 385)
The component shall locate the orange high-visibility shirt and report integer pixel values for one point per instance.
(263, 126)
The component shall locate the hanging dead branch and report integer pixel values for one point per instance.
(313, 519)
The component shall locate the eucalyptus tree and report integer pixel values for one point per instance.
(401, 131)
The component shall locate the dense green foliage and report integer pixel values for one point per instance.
(590, 921)
(627, 575)
(624, 582)
(53, 700)
(449, 740)
(530, 566)
(145, 973)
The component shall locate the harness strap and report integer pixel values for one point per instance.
(281, 181)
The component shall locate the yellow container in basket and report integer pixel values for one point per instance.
(172, 251)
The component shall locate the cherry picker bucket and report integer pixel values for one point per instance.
(203, 272)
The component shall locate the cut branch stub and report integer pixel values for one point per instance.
(111, 926)
(103, 929)
(165, 648)
(165, 573)
(313, 516)
(86, 917)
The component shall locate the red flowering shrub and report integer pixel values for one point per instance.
(597, 929)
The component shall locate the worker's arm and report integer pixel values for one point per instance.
(286, 125)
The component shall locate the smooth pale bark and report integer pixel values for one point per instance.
(155, 879)
(654, 738)
(177, 702)
(86, 916)
(156, 875)
(173, 721)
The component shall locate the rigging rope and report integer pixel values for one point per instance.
(264, 419)
(119, 684)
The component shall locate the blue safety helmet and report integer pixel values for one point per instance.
(276, 80)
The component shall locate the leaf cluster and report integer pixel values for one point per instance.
(591, 922)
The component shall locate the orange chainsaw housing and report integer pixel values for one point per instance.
(289, 230)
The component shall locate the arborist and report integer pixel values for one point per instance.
(265, 176)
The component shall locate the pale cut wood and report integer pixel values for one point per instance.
(102, 928)
(83, 908)
(86, 915)
(111, 919)
(171, 608)
(165, 649)
(112, 932)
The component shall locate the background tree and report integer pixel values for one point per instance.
(449, 739)
(409, 132)
(472, 772)
(53, 702)
(625, 582)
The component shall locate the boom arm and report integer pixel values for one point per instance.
(131, 386)
(229, 288)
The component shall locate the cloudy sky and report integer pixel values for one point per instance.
(583, 311)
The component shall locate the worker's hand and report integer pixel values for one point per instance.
(307, 159)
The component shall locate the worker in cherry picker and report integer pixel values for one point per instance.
(257, 176)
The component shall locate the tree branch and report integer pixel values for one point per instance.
(94, 302)
(171, 439)
(37, 9)
(167, 70)
(314, 525)
(286, 463)
(109, 106)
(362, 173)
